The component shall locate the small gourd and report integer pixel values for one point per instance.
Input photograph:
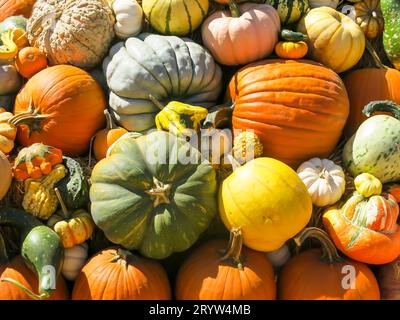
(292, 46)
(247, 146)
(74, 260)
(8, 132)
(129, 18)
(368, 185)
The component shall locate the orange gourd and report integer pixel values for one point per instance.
(298, 108)
(116, 274)
(324, 275)
(10, 8)
(61, 106)
(30, 61)
(211, 273)
(106, 137)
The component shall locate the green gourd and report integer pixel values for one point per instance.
(290, 11)
(391, 34)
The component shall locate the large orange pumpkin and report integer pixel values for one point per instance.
(10, 8)
(297, 108)
(211, 273)
(61, 106)
(116, 274)
(16, 269)
(316, 275)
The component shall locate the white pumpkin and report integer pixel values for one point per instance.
(129, 18)
(324, 180)
(323, 3)
(10, 80)
(74, 260)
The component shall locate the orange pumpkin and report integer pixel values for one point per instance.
(10, 8)
(324, 275)
(30, 61)
(211, 273)
(106, 137)
(61, 106)
(298, 108)
(116, 274)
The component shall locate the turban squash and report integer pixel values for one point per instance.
(167, 67)
(144, 197)
(297, 108)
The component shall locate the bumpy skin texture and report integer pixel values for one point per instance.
(391, 15)
(72, 32)
(168, 67)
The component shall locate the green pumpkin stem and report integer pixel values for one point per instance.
(234, 247)
(329, 251)
(157, 103)
(234, 8)
(4, 258)
(374, 55)
(110, 122)
(64, 208)
(382, 106)
(122, 256)
(31, 294)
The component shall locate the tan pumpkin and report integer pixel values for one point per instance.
(369, 17)
(5, 174)
(8, 132)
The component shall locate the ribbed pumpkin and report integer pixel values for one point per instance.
(5, 174)
(290, 11)
(369, 17)
(148, 195)
(178, 17)
(10, 8)
(225, 271)
(244, 34)
(333, 38)
(297, 108)
(116, 274)
(61, 106)
(267, 200)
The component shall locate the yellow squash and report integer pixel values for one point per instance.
(8, 132)
(267, 200)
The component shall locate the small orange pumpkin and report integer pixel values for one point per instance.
(292, 46)
(30, 61)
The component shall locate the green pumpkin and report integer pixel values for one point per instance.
(143, 198)
(14, 22)
(166, 67)
(374, 148)
(391, 43)
(290, 11)
(74, 188)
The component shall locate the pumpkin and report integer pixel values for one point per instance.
(6, 175)
(294, 125)
(290, 11)
(323, 3)
(147, 195)
(317, 274)
(13, 22)
(128, 16)
(367, 185)
(116, 274)
(51, 103)
(77, 33)
(389, 280)
(365, 229)
(333, 38)
(161, 66)
(325, 181)
(10, 81)
(236, 273)
(8, 132)
(106, 137)
(369, 18)
(267, 200)
(180, 17)
(391, 16)
(35, 161)
(72, 228)
(279, 257)
(30, 61)
(10, 8)
(380, 136)
(74, 260)
(292, 45)
(244, 34)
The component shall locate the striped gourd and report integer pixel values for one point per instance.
(290, 11)
(179, 17)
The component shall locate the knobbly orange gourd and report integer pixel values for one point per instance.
(30, 61)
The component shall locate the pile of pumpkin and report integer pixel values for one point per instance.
(291, 192)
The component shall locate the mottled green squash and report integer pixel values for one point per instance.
(290, 11)
(143, 197)
(391, 34)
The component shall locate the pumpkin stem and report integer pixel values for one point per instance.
(29, 292)
(234, 8)
(4, 259)
(156, 102)
(64, 209)
(234, 248)
(329, 251)
(30, 118)
(159, 193)
(122, 256)
(219, 116)
(374, 55)
(384, 106)
(110, 123)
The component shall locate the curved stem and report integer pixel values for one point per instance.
(110, 123)
(63, 206)
(383, 106)
(329, 251)
(234, 8)
(156, 102)
(31, 294)
(122, 256)
(374, 55)
(234, 248)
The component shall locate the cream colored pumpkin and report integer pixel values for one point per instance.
(129, 18)
(325, 181)
(72, 32)
(323, 3)
(368, 185)
(74, 260)
(334, 39)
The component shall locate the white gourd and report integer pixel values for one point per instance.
(324, 180)
(129, 18)
(74, 260)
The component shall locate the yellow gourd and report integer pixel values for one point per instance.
(8, 132)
